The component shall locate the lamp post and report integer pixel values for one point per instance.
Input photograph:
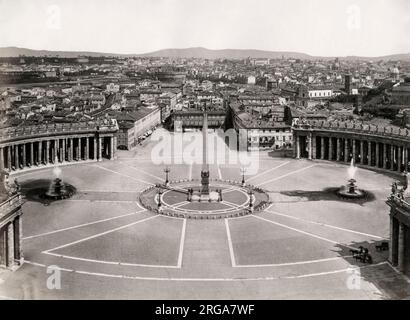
(243, 170)
(159, 198)
(167, 170)
(250, 193)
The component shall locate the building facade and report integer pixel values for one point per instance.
(131, 131)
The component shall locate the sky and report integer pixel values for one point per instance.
(316, 27)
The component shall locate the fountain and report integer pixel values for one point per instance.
(350, 190)
(58, 189)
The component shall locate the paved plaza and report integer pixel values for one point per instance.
(109, 246)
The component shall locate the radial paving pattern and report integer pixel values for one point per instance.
(109, 246)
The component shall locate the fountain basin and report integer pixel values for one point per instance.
(59, 190)
(351, 191)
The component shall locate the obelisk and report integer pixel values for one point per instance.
(205, 166)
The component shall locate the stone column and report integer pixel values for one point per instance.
(346, 150)
(112, 148)
(309, 146)
(95, 148)
(399, 152)
(63, 142)
(384, 156)
(406, 159)
(2, 165)
(354, 150)
(17, 227)
(47, 151)
(314, 147)
(322, 148)
(400, 263)
(16, 157)
(24, 155)
(369, 153)
(87, 148)
(32, 153)
(392, 157)
(52, 149)
(9, 157)
(79, 149)
(338, 149)
(391, 246)
(71, 149)
(10, 245)
(361, 152)
(56, 150)
(100, 149)
(330, 149)
(40, 152)
(377, 162)
(297, 147)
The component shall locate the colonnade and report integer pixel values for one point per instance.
(389, 154)
(399, 251)
(54, 150)
(11, 232)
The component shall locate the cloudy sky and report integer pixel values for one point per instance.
(317, 27)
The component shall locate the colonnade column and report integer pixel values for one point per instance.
(79, 149)
(46, 158)
(2, 158)
(384, 156)
(322, 148)
(399, 158)
(10, 246)
(31, 153)
(406, 158)
(112, 148)
(392, 157)
(24, 155)
(400, 263)
(346, 150)
(391, 245)
(330, 149)
(115, 146)
(63, 150)
(70, 155)
(9, 157)
(369, 153)
(377, 162)
(361, 152)
(354, 150)
(95, 148)
(40, 151)
(17, 234)
(100, 149)
(16, 156)
(56, 151)
(338, 149)
(87, 148)
(309, 146)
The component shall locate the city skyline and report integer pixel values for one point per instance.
(317, 28)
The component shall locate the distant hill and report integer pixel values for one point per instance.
(197, 52)
(200, 52)
(15, 52)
